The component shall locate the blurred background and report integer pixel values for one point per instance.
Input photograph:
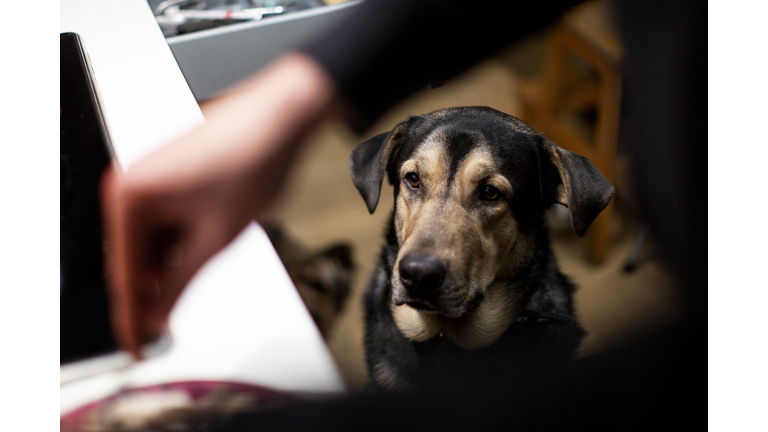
(565, 81)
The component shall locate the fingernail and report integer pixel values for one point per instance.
(155, 288)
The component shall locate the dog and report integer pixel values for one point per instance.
(322, 277)
(467, 271)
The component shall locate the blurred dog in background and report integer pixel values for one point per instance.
(322, 277)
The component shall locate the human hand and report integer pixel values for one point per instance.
(170, 212)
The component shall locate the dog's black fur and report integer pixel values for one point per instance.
(527, 160)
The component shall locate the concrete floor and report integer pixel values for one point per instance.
(322, 206)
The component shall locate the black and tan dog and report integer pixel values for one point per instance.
(467, 270)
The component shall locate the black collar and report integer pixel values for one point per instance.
(536, 317)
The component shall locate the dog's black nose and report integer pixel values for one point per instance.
(420, 273)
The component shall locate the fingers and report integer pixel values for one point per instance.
(137, 230)
(117, 266)
(156, 245)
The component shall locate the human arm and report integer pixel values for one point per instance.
(170, 212)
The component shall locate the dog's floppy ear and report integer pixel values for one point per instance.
(578, 185)
(368, 164)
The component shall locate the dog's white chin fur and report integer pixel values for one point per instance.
(481, 327)
(416, 325)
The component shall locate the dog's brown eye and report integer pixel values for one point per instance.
(490, 193)
(413, 179)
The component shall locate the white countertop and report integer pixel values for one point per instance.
(240, 318)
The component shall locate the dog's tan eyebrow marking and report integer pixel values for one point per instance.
(501, 183)
(429, 161)
(409, 166)
(477, 167)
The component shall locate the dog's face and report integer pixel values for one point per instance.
(469, 184)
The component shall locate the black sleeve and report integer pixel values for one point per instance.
(389, 49)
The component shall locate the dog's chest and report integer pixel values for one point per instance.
(528, 341)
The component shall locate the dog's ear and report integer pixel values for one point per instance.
(575, 183)
(342, 253)
(368, 164)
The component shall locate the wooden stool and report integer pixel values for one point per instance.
(582, 73)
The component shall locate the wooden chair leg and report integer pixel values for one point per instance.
(599, 235)
(607, 135)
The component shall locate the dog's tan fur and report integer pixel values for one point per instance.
(561, 197)
(416, 325)
(385, 375)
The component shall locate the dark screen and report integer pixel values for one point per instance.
(85, 153)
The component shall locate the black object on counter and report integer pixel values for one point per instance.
(85, 153)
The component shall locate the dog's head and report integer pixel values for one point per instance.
(471, 184)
